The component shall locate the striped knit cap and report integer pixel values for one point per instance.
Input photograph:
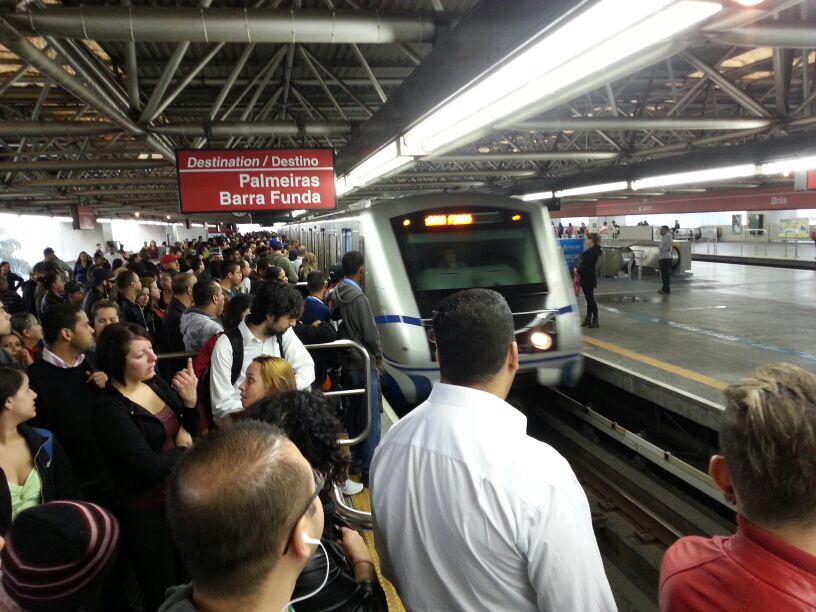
(55, 552)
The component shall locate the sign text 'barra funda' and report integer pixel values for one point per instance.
(255, 180)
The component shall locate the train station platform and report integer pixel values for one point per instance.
(717, 326)
(799, 256)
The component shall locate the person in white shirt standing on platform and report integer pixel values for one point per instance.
(469, 512)
(267, 330)
(665, 259)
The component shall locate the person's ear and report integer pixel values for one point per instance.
(302, 542)
(721, 475)
(513, 357)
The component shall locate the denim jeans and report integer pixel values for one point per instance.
(361, 454)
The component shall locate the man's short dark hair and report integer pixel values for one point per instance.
(352, 262)
(276, 299)
(196, 262)
(315, 281)
(124, 279)
(51, 279)
(204, 291)
(182, 282)
(228, 267)
(263, 264)
(231, 503)
(57, 318)
(473, 330)
(113, 345)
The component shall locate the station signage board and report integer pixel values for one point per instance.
(255, 180)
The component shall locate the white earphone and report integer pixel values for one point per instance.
(308, 539)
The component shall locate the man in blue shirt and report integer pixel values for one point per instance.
(314, 308)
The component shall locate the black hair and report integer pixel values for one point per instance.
(235, 309)
(308, 421)
(231, 503)
(352, 262)
(315, 281)
(196, 262)
(113, 345)
(271, 273)
(204, 291)
(51, 279)
(11, 380)
(227, 267)
(473, 330)
(124, 279)
(22, 321)
(276, 299)
(59, 317)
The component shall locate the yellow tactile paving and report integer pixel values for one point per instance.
(657, 363)
(361, 501)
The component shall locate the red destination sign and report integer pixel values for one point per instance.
(243, 180)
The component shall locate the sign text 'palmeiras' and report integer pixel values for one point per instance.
(268, 180)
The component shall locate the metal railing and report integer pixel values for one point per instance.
(757, 236)
(358, 518)
(337, 344)
(639, 257)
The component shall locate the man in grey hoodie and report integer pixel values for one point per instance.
(349, 303)
(201, 321)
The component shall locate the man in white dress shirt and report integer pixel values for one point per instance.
(469, 512)
(267, 330)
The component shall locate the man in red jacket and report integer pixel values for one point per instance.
(768, 471)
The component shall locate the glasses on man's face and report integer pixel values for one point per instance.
(320, 482)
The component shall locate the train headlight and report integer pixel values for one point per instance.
(541, 340)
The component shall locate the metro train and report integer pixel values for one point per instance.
(420, 249)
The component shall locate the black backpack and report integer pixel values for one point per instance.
(204, 395)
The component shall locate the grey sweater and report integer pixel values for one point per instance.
(197, 327)
(357, 324)
(666, 247)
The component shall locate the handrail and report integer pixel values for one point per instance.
(358, 518)
(758, 235)
(337, 344)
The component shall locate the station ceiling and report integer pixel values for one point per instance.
(95, 97)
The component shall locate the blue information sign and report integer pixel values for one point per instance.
(573, 248)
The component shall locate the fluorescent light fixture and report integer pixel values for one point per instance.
(63, 219)
(196, 225)
(603, 188)
(386, 161)
(696, 176)
(341, 187)
(539, 195)
(562, 59)
(298, 213)
(103, 220)
(786, 166)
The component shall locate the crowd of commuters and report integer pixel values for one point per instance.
(207, 480)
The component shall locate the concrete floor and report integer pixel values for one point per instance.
(715, 327)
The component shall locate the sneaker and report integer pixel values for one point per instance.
(350, 487)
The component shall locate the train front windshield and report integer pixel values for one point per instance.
(447, 251)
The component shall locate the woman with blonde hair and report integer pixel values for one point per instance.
(265, 375)
(309, 265)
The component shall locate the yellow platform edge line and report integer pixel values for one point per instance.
(362, 501)
(657, 363)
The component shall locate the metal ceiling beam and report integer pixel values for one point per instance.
(95, 182)
(83, 164)
(227, 129)
(790, 35)
(22, 129)
(626, 123)
(374, 82)
(19, 45)
(511, 157)
(229, 25)
(733, 90)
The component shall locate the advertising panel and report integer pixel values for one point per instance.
(794, 228)
(247, 180)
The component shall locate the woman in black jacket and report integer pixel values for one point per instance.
(33, 467)
(589, 260)
(15, 281)
(143, 425)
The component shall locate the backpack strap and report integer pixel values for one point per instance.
(280, 344)
(237, 344)
(49, 440)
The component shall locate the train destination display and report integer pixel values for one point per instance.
(267, 180)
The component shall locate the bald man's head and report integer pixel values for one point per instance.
(232, 501)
